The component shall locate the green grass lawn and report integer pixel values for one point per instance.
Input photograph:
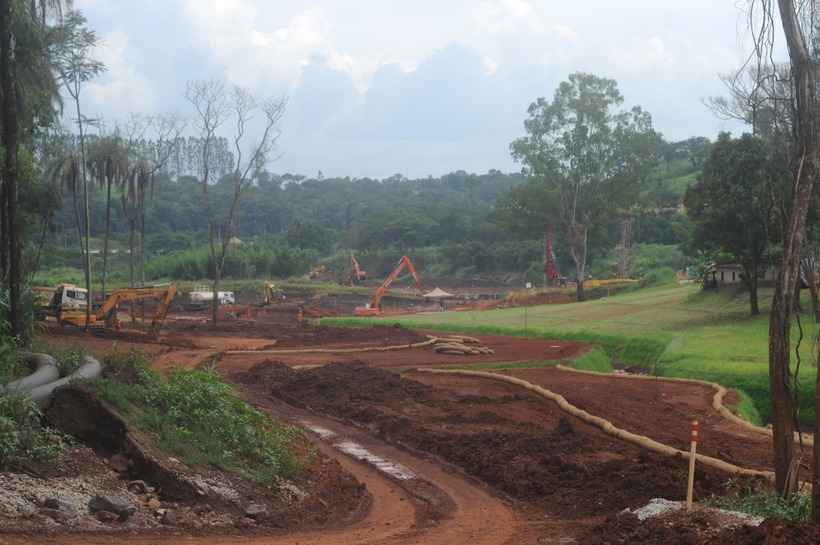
(674, 331)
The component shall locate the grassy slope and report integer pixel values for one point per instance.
(700, 335)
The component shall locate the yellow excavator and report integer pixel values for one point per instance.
(273, 294)
(69, 305)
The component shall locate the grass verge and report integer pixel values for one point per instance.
(197, 417)
(764, 503)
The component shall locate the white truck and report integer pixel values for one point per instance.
(205, 296)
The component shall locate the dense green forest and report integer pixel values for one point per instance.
(454, 226)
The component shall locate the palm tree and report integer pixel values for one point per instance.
(108, 165)
(138, 184)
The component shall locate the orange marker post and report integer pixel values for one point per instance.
(692, 458)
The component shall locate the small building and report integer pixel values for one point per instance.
(727, 274)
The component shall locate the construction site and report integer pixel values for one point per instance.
(403, 436)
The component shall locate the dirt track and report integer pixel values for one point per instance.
(471, 514)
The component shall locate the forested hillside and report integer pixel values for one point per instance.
(455, 225)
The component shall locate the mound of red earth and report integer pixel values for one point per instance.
(696, 528)
(512, 440)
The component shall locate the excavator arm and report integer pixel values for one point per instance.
(405, 262)
(357, 274)
(107, 312)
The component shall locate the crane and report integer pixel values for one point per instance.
(357, 275)
(68, 305)
(374, 309)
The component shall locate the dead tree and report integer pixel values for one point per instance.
(214, 106)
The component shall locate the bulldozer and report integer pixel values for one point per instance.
(70, 303)
(374, 308)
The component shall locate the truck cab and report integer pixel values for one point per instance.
(68, 297)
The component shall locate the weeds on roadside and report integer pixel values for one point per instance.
(763, 503)
(22, 434)
(196, 416)
(69, 361)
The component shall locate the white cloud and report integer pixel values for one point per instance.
(507, 16)
(565, 32)
(121, 81)
(395, 60)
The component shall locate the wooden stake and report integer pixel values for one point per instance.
(692, 458)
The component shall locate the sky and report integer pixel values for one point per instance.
(421, 87)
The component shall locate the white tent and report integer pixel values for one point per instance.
(438, 293)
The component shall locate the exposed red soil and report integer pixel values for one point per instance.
(330, 496)
(506, 349)
(400, 511)
(515, 442)
(697, 528)
(659, 409)
(510, 439)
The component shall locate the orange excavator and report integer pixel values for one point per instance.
(374, 308)
(357, 275)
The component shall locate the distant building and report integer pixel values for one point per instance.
(725, 274)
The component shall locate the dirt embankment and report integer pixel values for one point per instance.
(158, 494)
(511, 440)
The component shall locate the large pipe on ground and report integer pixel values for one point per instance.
(45, 370)
(90, 369)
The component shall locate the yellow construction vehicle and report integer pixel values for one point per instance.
(357, 275)
(273, 294)
(70, 303)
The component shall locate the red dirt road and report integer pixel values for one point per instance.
(474, 517)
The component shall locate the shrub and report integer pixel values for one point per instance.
(659, 277)
(22, 435)
(196, 416)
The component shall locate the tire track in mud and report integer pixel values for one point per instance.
(414, 501)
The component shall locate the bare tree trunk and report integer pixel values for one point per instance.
(131, 231)
(10, 133)
(815, 300)
(579, 256)
(142, 244)
(87, 215)
(750, 272)
(804, 73)
(4, 230)
(217, 274)
(215, 289)
(107, 234)
(42, 242)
